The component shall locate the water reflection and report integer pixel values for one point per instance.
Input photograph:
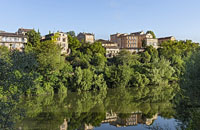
(89, 110)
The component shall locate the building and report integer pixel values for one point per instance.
(116, 38)
(111, 48)
(86, 37)
(61, 40)
(23, 31)
(134, 118)
(146, 39)
(151, 42)
(125, 40)
(129, 41)
(163, 39)
(112, 51)
(134, 42)
(107, 43)
(134, 50)
(14, 41)
(142, 38)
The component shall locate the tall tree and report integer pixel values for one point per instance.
(33, 37)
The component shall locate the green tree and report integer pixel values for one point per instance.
(152, 33)
(71, 33)
(33, 37)
(74, 44)
(82, 79)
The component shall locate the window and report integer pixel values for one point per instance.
(63, 45)
(19, 39)
(3, 39)
(13, 39)
(64, 39)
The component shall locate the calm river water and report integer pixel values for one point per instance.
(116, 109)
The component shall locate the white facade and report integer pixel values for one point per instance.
(13, 41)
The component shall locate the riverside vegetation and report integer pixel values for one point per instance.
(155, 75)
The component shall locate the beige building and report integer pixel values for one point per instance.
(111, 48)
(143, 38)
(125, 40)
(112, 51)
(116, 38)
(152, 42)
(134, 42)
(13, 41)
(86, 37)
(163, 39)
(146, 40)
(107, 43)
(61, 40)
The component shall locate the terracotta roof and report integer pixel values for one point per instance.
(11, 34)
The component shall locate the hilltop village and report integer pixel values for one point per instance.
(134, 42)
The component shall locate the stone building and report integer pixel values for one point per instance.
(142, 38)
(125, 40)
(151, 42)
(14, 41)
(163, 39)
(61, 40)
(111, 48)
(116, 38)
(86, 37)
(135, 41)
(107, 43)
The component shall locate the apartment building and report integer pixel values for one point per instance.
(61, 40)
(111, 48)
(86, 37)
(14, 41)
(163, 39)
(125, 40)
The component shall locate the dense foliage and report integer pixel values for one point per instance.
(42, 69)
(152, 74)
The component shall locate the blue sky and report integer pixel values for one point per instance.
(180, 18)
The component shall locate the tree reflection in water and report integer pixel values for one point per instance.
(118, 107)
